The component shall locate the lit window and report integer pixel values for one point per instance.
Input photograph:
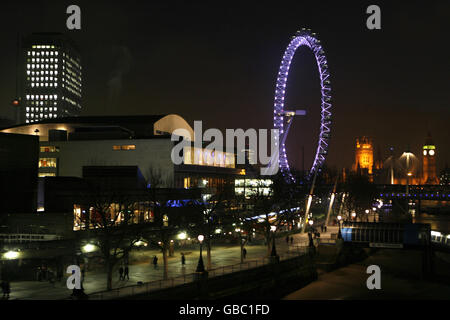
(49, 149)
(47, 163)
(47, 174)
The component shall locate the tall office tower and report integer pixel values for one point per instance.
(51, 78)
(429, 162)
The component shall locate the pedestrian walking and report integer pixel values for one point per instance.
(244, 252)
(82, 274)
(120, 273)
(44, 273)
(59, 274)
(6, 289)
(126, 273)
(183, 259)
(287, 239)
(325, 228)
(51, 277)
(155, 261)
(311, 243)
(292, 240)
(321, 228)
(38, 274)
(3, 284)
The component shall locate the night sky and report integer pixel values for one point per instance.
(218, 61)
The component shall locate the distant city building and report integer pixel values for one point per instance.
(51, 78)
(364, 156)
(18, 173)
(445, 177)
(429, 162)
(67, 145)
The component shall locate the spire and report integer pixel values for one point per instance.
(429, 140)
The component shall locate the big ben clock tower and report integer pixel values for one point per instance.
(429, 162)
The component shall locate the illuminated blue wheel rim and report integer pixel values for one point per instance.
(304, 38)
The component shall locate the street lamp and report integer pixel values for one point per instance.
(182, 235)
(200, 265)
(11, 255)
(339, 221)
(89, 248)
(273, 254)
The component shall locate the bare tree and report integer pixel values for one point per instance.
(167, 221)
(109, 222)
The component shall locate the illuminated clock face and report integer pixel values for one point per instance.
(431, 152)
(424, 152)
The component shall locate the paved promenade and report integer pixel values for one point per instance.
(145, 271)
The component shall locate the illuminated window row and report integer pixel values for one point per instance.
(41, 116)
(47, 163)
(74, 83)
(41, 109)
(72, 79)
(74, 73)
(41, 66)
(44, 60)
(42, 96)
(46, 72)
(42, 53)
(73, 61)
(44, 78)
(37, 84)
(72, 91)
(125, 147)
(42, 103)
(47, 174)
(38, 46)
(49, 149)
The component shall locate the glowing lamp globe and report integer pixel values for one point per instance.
(89, 248)
(10, 255)
(182, 235)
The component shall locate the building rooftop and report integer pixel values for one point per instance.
(139, 126)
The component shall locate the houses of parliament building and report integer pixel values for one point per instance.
(407, 169)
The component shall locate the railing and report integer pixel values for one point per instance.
(144, 288)
(326, 241)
